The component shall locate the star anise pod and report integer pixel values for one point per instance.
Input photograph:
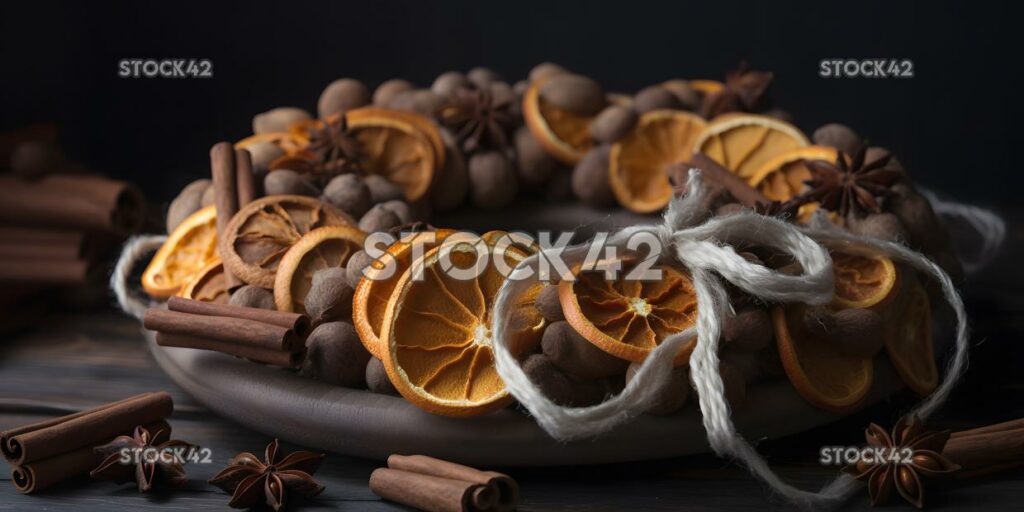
(332, 147)
(855, 188)
(481, 118)
(253, 482)
(909, 454)
(744, 90)
(152, 456)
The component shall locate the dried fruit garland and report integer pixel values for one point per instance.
(362, 168)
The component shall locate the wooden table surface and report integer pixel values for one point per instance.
(75, 360)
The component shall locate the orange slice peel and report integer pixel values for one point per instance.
(188, 249)
(562, 134)
(326, 247)
(743, 143)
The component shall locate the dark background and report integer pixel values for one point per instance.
(949, 124)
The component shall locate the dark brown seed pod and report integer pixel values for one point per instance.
(342, 95)
(262, 154)
(279, 119)
(838, 136)
(749, 331)
(533, 163)
(250, 296)
(379, 218)
(402, 209)
(422, 101)
(576, 356)
(924, 230)
(189, 201)
(545, 70)
(560, 387)
(655, 97)
(590, 178)
(613, 123)
(883, 226)
(288, 182)
(354, 268)
(329, 297)
(483, 77)
(492, 180)
(448, 82)
(548, 304)
(387, 90)
(688, 98)
(209, 197)
(34, 159)
(575, 93)
(449, 192)
(377, 379)
(856, 332)
(673, 396)
(350, 193)
(335, 355)
(382, 190)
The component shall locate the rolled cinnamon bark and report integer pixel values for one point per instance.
(298, 323)
(221, 328)
(505, 489)
(987, 449)
(38, 270)
(225, 189)
(716, 174)
(284, 359)
(430, 493)
(39, 475)
(72, 201)
(244, 178)
(50, 243)
(48, 438)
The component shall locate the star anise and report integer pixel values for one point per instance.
(908, 454)
(481, 118)
(855, 187)
(253, 482)
(744, 90)
(332, 147)
(152, 455)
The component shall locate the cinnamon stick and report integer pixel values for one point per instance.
(430, 493)
(48, 438)
(298, 323)
(83, 202)
(245, 180)
(504, 488)
(67, 250)
(40, 474)
(712, 171)
(221, 328)
(284, 359)
(987, 449)
(225, 183)
(45, 271)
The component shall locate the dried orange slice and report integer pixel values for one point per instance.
(706, 87)
(402, 147)
(321, 248)
(629, 318)
(564, 135)
(783, 177)
(908, 341)
(821, 374)
(862, 281)
(743, 143)
(209, 285)
(260, 233)
(638, 162)
(190, 248)
(373, 292)
(437, 331)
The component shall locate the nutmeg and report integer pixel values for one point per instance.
(924, 230)
(590, 178)
(575, 93)
(329, 297)
(262, 154)
(545, 70)
(381, 189)
(749, 331)
(209, 197)
(492, 181)
(188, 202)
(483, 77)
(422, 101)
(288, 182)
(449, 191)
(335, 355)
(342, 95)
(354, 268)
(388, 89)
(560, 387)
(400, 208)
(688, 97)
(250, 296)
(350, 193)
(533, 164)
(34, 159)
(655, 97)
(448, 82)
(838, 136)
(883, 226)
(576, 356)
(613, 123)
(377, 379)
(278, 119)
(379, 218)
(548, 304)
(672, 397)
(855, 332)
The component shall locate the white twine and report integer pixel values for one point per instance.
(135, 249)
(990, 228)
(700, 249)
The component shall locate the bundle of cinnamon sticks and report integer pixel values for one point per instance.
(48, 452)
(234, 186)
(271, 337)
(436, 485)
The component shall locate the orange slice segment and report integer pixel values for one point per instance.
(782, 178)
(190, 248)
(437, 331)
(628, 318)
(564, 135)
(638, 162)
(908, 341)
(260, 233)
(862, 281)
(743, 143)
(321, 248)
(394, 145)
(209, 285)
(373, 292)
(820, 373)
